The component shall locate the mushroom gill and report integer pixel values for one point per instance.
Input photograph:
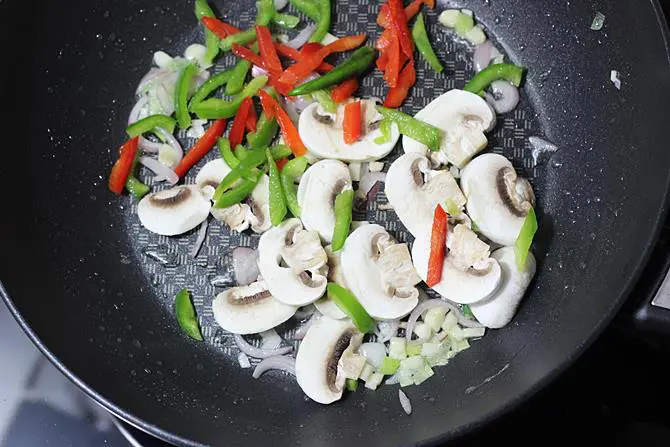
(515, 192)
(170, 197)
(338, 349)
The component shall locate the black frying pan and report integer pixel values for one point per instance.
(74, 273)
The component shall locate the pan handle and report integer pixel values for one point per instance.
(653, 315)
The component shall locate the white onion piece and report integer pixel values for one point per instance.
(280, 4)
(504, 97)
(150, 146)
(368, 180)
(177, 151)
(148, 78)
(292, 112)
(302, 330)
(162, 172)
(392, 380)
(270, 339)
(484, 54)
(301, 102)
(281, 362)
(259, 353)
(374, 352)
(138, 109)
(404, 402)
(202, 233)
(243, 360)
(305, 312)
(257, 71)
(245, 265)
(302, 37)
(387, 329)
(429, 304)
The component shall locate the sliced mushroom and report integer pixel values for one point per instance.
(379, 273)
(467, 286)
(317, 190)
(414, 190)
(499, 309)
(325, 305)
(284, 271)
(323, 135)
(464, 117)
(250, 309)
(498, 200)
(318, 365)
(239, 217)
(173, 211)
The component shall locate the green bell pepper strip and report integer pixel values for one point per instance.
(265, 11)
(150, 123)
(292, 170)
(237, 77)
(359, 61)
(420, 37)
(241, 38)
(346, 301)
(277, 201)
(136, 187)
(285, 20)
(215, 108)
(525, 239)
(243, 169)
(266, 130)
(417, 130)
(385, 128)
(238, 193)
(280, 151)
(241, 152)
(308, 7)
(352, 384)
(323, 23)
(390, 366)
(452, 208)
(343, 214)
(467, 311)
(227, 153)
(211, 85)
(181, 96)
(509, 72)
(202, 9)
(186, 315)
(323, 97)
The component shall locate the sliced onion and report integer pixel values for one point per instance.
(293, 113)
(280, 4)
(301, 102)
(162, 172)
(243, 360)
(282, 363)
(150, 146)
(484, 54)
(368, 180)
(245, 265)
(302, 37)
(177, 151)
(271, 339)
(374, 352)
(165, 99)
(138, 109)
(257, 71)
(387, 329)
(302, 330)
(148, 78)
(504, 97)
(202, 233)
(404, 402)
(429, 304)
(259, 353)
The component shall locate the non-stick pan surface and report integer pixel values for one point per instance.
(77, 267)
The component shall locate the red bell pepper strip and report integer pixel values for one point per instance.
(267, 49)
(283, 88)
(201, 147)
(406, 80)
(221, 29)
(281, 163)
(352, 122)
(252, 120)
(295, 55)
(344, 90)
(384, 17)
(438, 240)
(246, 54)
(382, 61)
(393, 63)
(307, 64)
(288, 130)
(123, 166)
(236, 133)
(399, 25)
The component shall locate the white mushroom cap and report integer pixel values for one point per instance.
(323, 135)
(319, 186)
(414, 191)
(294, 280)
(368, 273)
(498, 200)
(460, 286)
(316, 364)
(464, 117)
(210, 176)
(250, 309)
(499, 309)
(173, 211)
(325, 305)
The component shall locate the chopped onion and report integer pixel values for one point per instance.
(374, 353)
(162, 59)
(271, 339)
(196, 52)
(177, 153)
(598, 21)
(243, 360)
(202, 233)
(616, 80)
(368, 180)
(305, 312)
(280, 362)
(162, 172)
(302, 330)
(257, 71)
(429, 304)
(150, 146)
(148, 78)
(302, 37)
(484, 54)
(280, 4)
(504, 97)
(138, 110)
(245, 265)
(258, 352)
(387, 329)
(404, 401)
